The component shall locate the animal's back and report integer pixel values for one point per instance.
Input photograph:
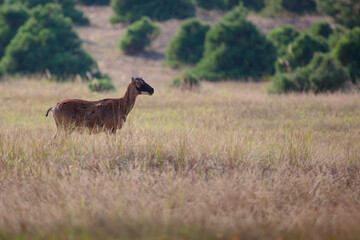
(83, 113)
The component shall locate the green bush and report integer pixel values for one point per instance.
(238, 14)
(235, 50)
(47, 41)
(103, 84)
(256, 5)
(211, 4)
(68, 8)
(94, 2)
(186, 81)
(297, 81)
(324, 73)
(327, 73)
(272, 8)
(187, 46)
(161, 10)
(335, 37)
(139, 35)
(70, 11)
(301, 52)
(11, 18)
(299, 6)
(322, 29)
(347, 51)
(281, 38)
(343, 12)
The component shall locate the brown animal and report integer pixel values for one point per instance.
(106, 114)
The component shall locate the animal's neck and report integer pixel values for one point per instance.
(129, 98)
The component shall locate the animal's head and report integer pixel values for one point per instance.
(141, 86)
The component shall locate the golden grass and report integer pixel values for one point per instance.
(227, 162)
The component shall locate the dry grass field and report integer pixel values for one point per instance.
(225, 162)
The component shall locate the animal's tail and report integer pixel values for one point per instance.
(47, 113)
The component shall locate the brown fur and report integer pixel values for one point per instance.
(105, 114)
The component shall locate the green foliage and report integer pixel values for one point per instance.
(211, 4)
(68, 8)
(76, 15)
(11, 18)
(297, 81)
(346, 13)
(235, 50)
(324, 73)
(139, 35)
(186, 81)
(335, 37)
(281, 38)
(187, 46)
(272, 8)
(299, 6)
(161, 10)
(238, 13)
(322, 29)
(47, 41)
(103, 84)
(301, 52)
(347, 51)
(94, 2)
(256, 5)
(276, 8)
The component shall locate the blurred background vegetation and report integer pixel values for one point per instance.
(39, 37)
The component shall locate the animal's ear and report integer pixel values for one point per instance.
(132, 79)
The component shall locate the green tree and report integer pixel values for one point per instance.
(139, 35)
(301, 51)
(47, 41)
(347, 51)
(11, 18)
(187, 46)
(344, 12)
(335, 37)
(324, 73)
(94, 2)
(238, 13)
(281, 38)
(68, 8)
(256, 5)
(161, 10)
(322, 29)
(211, 4)
(234, 50)
(299, 6)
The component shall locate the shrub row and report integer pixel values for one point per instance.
(93, 2)
(160, 10)
(37, 38)
(47, 40)
(336, 59)
(324, 73)
(67, 8)
(231, 49)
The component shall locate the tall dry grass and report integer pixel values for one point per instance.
(227, 162)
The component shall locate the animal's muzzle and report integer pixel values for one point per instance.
(151, 91)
